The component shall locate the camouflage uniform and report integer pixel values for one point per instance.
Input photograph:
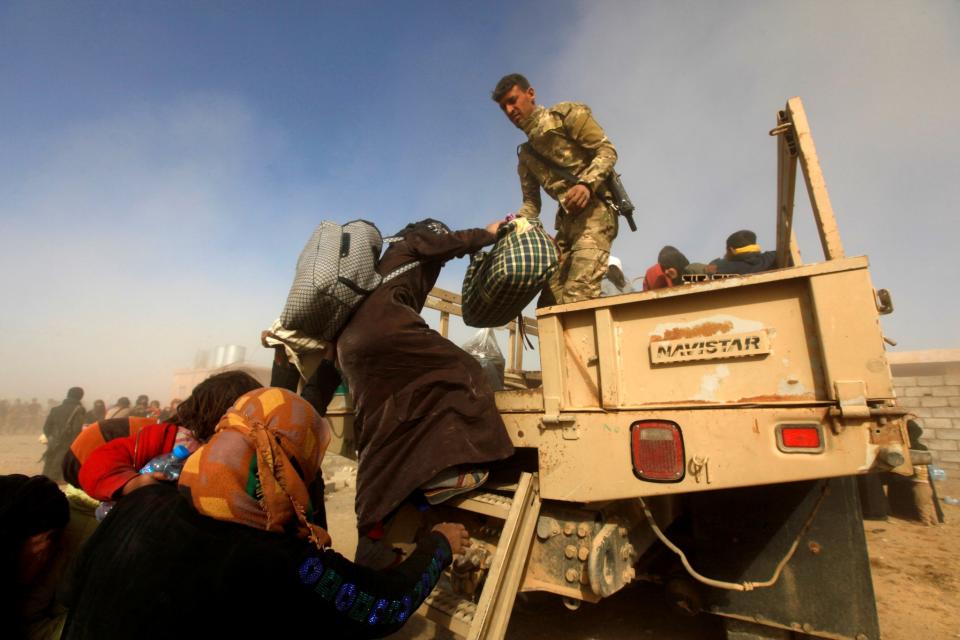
(567, 134)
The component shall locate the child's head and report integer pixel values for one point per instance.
(615, 271)
(672, 262)
(210, 400)
(740, 240)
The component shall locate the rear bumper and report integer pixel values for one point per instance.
(586, 457)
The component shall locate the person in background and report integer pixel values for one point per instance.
(153, 409)
(141, 408)
(63, 424)
(237, 552)
(423, 405)
(564, 139)
(121, 409)
(743, 256)
(108, 467)
(97, 413)
(169, 411)
(17, 415)
(668, 271)
(614, 282)
(34, 421)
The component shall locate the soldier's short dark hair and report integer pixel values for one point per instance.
(670, 257)
(741, 238)
(508, 82)
(74, 393)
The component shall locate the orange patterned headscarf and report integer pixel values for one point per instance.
(256, 468)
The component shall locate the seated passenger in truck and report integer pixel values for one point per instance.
(614, 281)
(669, 270)
(743, 256)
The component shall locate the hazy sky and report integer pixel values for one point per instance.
(162, 164)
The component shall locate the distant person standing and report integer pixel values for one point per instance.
(17, 416)
(141, 408)
(34, 420)
(63, 424)
(170, 410)
(564, 142)
(121, 409)
(97, 413)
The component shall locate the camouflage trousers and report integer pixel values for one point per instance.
(584, 241)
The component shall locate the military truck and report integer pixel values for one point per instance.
(704, 436)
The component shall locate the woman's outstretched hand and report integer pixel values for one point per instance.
(494, 226)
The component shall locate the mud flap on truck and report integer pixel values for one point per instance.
(824, 591)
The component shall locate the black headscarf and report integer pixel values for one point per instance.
(28, 506)
(427, 224)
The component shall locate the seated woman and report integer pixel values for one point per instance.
(423, 406)
(235, 551)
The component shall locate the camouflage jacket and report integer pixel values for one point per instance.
(566, 134)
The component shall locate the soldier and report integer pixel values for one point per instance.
(565, 139)
(63, 424)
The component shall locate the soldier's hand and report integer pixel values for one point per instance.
(455, 533)
(576, 198)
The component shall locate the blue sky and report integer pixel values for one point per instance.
(162, 163)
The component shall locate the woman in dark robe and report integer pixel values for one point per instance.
(423, 405)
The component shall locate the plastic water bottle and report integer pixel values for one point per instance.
(169, 464)
(937, 474)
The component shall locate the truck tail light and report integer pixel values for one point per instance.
(800, 438)
(657, 450)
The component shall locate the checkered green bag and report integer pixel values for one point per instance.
(501, 282)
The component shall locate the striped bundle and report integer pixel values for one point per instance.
(501, 282)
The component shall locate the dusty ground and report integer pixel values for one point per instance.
(916, 576)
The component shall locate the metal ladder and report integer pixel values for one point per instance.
(487, 619)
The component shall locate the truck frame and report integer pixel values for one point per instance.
(703, 436)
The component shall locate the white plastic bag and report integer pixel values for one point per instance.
(484, 348)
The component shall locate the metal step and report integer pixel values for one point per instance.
(484, 503)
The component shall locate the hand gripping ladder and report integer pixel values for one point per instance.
(487, 619)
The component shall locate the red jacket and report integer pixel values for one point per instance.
(110, 466)
(94, 436)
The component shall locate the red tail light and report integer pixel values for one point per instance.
(799, 438)
(657, 450)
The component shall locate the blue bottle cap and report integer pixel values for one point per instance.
(180, 452)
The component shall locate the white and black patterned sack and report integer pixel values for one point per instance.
(336, 270)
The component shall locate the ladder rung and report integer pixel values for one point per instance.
(449, 611)
(500, 486)
(485, 503)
